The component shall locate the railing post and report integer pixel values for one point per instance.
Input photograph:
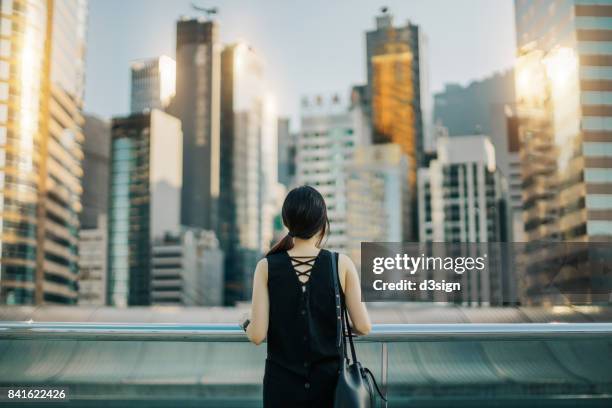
(384, 367)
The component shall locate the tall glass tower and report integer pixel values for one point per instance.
(42, 49)
(397, 91)
(197, 105)
(248, 167)
(146, 177)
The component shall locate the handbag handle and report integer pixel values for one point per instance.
(342, 322)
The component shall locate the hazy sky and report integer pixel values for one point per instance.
(308, 46)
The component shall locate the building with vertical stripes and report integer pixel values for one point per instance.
(463, 198)
(564, 109)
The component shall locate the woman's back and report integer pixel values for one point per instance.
(302, 326)
(294, 307)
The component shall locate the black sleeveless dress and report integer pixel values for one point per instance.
(303, 360)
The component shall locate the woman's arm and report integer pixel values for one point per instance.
(352, 293)
(257, 330)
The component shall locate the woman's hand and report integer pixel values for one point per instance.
(244, 321)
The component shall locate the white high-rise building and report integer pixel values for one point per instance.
(153, 83)
(463, 198)
(462, 194)
(378, 208)
(324, 149)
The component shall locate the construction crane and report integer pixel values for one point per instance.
(209, 11)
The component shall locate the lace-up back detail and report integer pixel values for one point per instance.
(302, 266)
(302, 327)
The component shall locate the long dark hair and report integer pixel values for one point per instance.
(305, 215)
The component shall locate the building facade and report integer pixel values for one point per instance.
(397, 90)
(505, 138)
(187, 270)
(248, 167)
(463, 198)
(487, 107)
(197, 105)
(378, 201)
(563, 107)
(93, 234)
(324, 149)
(96, 156)
(153, 83)
(146, 177)
(93, 244)
(565, 129)
(42, 51)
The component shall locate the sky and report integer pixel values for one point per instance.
(309, 47)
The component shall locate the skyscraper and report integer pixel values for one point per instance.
(397, 89)
(146, 175)
(197, 105)
(325, 148)
(248, 167)
(563, 77)
(378, 201)
(96, 152)
(487, 107)
(93, 218)
(463, 198)
(153, 83)
(41, 88)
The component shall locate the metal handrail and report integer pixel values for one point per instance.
(232, 333)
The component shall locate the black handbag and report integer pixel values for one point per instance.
(356, 386)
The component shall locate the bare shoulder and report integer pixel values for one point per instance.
(345, 262)
(346, 268)
(261, 270)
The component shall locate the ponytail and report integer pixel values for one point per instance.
(304, 214)
(284, 244)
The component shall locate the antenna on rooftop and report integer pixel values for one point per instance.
(209, 11)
